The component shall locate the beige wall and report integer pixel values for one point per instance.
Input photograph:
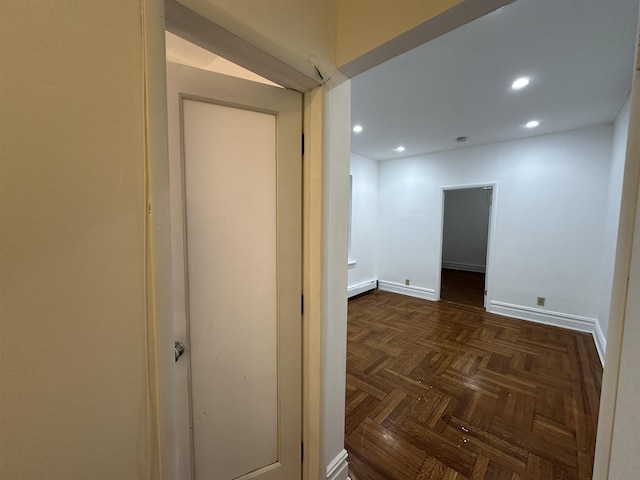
(74, 400)
(363, 25)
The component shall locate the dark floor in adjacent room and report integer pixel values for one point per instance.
(443, 391)
(458, 286)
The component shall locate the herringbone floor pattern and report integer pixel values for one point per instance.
(441, 391)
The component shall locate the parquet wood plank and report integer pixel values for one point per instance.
(360, 413)
(480, 468)
(491, 446)
(363, 382)
(432, 469)
(462, 287)
(438, 445)
(443, 391)
(397, 458)
(387, 406)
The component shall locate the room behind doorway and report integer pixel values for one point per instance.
(464, 245)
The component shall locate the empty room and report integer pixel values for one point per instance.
(486, 184)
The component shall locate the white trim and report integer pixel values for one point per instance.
(338, 469)
(410, 290)
(557, 319)
(601, 342)
(467, 267)
(361, 288)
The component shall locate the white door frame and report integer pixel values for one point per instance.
(490, 236)
(201, 31)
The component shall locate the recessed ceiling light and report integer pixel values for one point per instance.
(357, 128)
(399, 148)
(520, 83)
(532, 124)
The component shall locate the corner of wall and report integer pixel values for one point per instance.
(600, 339)
(363, 287)
(335, 194)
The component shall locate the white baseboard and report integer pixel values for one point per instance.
(601, 342)
(410, 290)
(557, 319)
(467, 267)
(361, 288)
(536, 315)
(338, 469)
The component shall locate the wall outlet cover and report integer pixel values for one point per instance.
(541, 301)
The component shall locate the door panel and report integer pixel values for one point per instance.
(231, 246)
(236, 214)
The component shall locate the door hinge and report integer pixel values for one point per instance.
(302, 144)
(301, 303)
(485, 292)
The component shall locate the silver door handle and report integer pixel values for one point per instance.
(179, 349)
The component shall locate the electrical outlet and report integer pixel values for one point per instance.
(541, 301)
(407, 281)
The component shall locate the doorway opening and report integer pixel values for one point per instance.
(465, 241)
(235, 198)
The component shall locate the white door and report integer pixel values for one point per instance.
(236, 230)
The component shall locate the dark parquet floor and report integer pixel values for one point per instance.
(458, 286)
(443, 391)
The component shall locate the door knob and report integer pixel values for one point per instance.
(179, 349)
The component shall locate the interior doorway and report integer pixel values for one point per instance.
(465, 241)
(236, 235)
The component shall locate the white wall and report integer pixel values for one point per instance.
(610, 227)
(550, 210)
(465, 229)
(336, 148)
(364, 221)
